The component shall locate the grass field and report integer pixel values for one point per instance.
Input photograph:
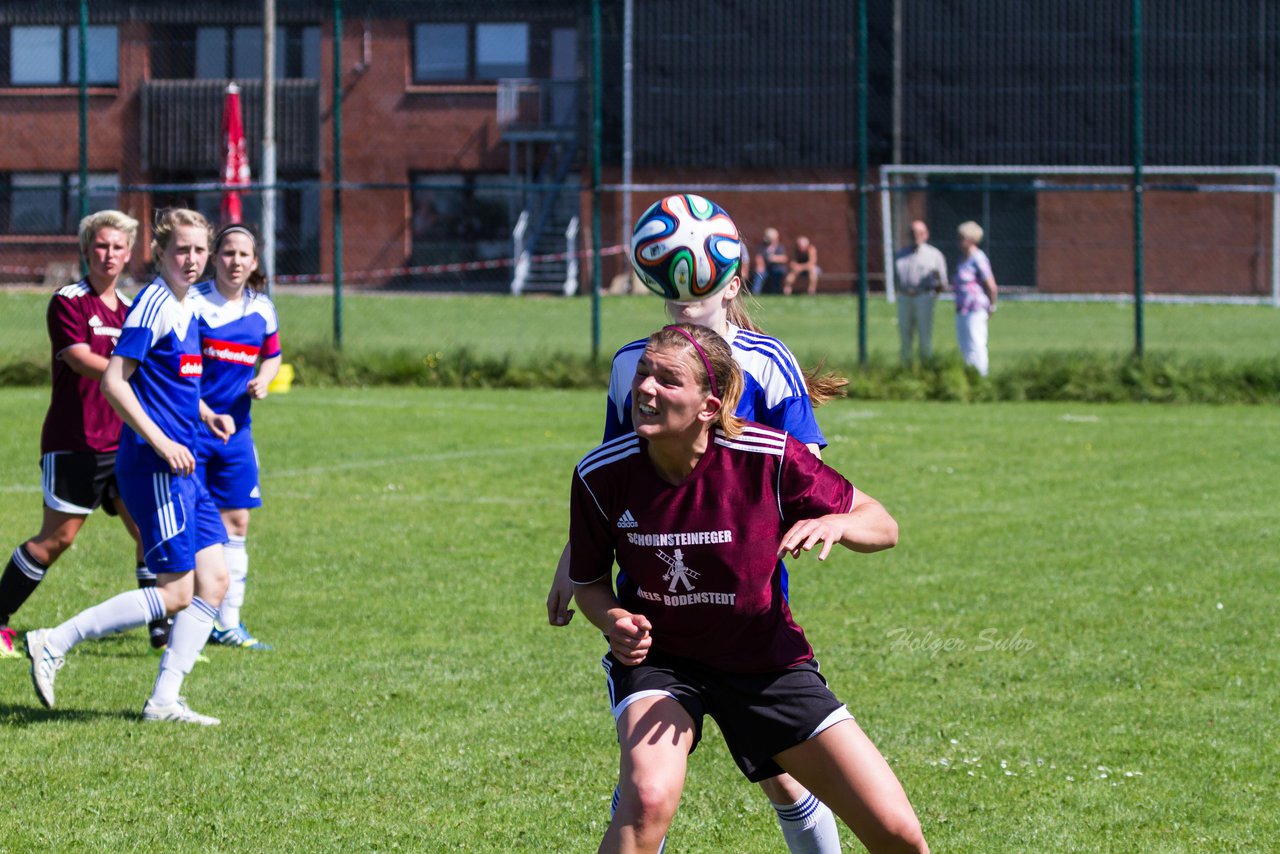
(1074, 647)
(818, 328)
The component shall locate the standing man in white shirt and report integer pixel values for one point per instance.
(921, 274)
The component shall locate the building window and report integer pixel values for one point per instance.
(50, 56)
(223, 53)
(460, 217)
(49, 202)
(469, 52)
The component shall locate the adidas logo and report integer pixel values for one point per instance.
(626, 520)
(255, 493)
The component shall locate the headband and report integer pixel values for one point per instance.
(711, 375)
(237, 229)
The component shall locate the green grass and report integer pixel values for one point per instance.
(1077, 588)
(824, 327)
(1063, 352)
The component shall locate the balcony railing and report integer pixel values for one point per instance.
(531, 109)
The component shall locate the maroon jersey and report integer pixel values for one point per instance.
(700, 559)
(79, 418)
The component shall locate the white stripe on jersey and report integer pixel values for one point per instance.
(611, 451)
(587, 487)
(619, 448)
(216, 313)
(768, 361)
(79, 289)
(758, 440)
(151, 301)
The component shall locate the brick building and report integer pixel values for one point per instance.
(460, 117)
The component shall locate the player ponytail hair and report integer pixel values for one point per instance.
(169, 220)
(257, 280)
(711, 354)
(823, 385)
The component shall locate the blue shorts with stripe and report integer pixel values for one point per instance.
(175, 516)
(229, 471)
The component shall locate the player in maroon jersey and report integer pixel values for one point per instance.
(81, 430)
(697, 507)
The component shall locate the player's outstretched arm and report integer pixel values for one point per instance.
(558, 611)
(116, 389)
(866, 528)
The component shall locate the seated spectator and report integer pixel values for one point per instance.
(805, 263)
(771, 261)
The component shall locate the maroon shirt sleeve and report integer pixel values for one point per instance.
(66, 324)
(590, 542)
(808, 487)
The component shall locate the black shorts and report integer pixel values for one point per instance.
(79, 483)
(760, 714)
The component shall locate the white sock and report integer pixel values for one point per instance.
(190, 631)
(237, 574)
(117, 614)
(809, 826)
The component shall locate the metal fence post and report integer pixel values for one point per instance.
(862, 182)
(1138, 336)
(337, 174)
(596, 125)
(83, 49)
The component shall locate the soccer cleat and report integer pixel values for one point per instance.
(177, 711)
(7, 636)
(238, 636)
(44, 665)
(159, 632)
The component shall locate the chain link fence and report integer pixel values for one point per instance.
(465, 137)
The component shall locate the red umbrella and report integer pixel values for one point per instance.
(235, 163)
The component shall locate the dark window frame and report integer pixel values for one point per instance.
(465, 232)
(65, 58)
(68, 199)
(470, 76)
(291, 42)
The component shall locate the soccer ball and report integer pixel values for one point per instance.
(685, 248)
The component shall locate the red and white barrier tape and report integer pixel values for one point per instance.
(364, 275)
(431, 269)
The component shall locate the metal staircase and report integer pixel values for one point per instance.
(539, 117)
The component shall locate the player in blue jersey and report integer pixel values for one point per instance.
(776, 393)
(153, 381)
(238, 331)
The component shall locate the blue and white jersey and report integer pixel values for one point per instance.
(233, 336)
(774, 392)
(162, 335)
